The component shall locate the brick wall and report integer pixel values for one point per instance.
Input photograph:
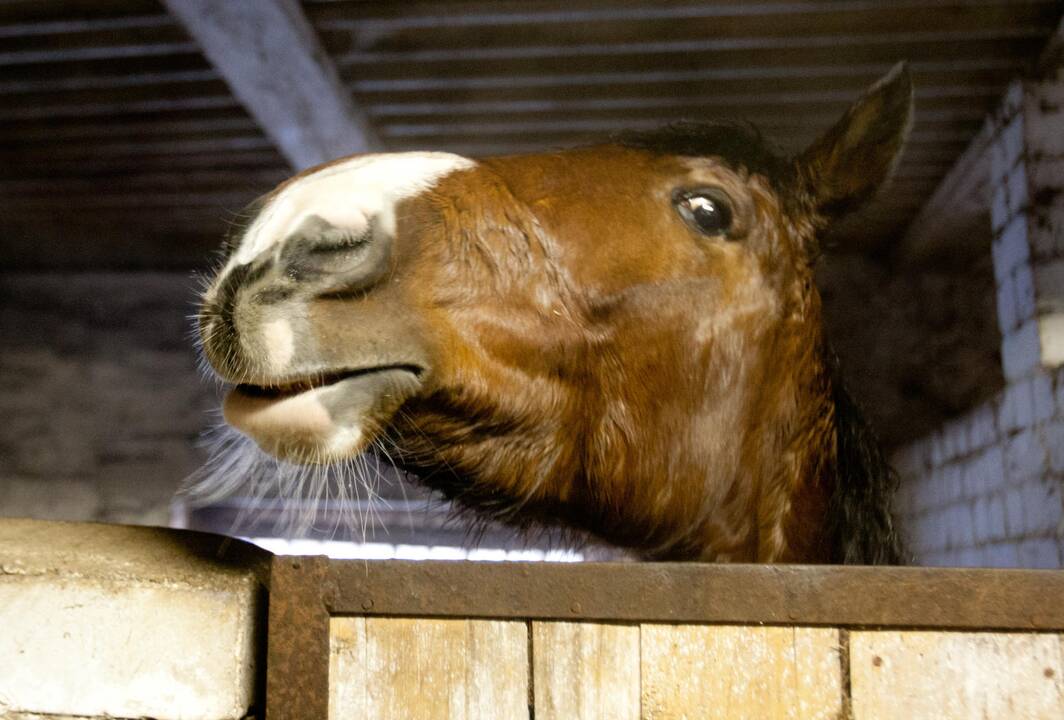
(986, 488)
(101, 404)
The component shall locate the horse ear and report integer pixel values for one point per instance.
(846, 166)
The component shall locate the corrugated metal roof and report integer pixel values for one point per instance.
(116, 133)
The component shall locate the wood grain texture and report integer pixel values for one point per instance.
(585, 670)
(729, 671)
(404, 668)
(914, 675)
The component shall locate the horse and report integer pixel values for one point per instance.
(622, 338)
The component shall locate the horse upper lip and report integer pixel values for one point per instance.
(300, 384)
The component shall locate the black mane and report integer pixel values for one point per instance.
(860, 522)
(740, 145)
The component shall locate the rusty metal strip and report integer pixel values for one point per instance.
(297, 663)
(971, 599)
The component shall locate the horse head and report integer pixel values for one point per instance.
(624, 338)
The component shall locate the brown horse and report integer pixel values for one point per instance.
(623, 338)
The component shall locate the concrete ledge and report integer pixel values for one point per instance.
(128, 622)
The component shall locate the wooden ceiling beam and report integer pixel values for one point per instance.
(271, 58)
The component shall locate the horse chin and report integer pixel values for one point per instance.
(321, 424)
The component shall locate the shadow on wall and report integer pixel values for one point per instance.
(918, 345)
(102, 403)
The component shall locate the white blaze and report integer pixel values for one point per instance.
(280, 344)
(348, 195)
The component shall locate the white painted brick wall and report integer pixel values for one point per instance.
(982, 427)
(1023, 286)
(1010, 248)
(1039, 553)
(1008, 311)
(997, 499)
(1021, 351)
(986, 487)
(1025, 458)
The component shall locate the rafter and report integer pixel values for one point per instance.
(271, 58)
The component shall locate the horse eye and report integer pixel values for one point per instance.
(705, 211)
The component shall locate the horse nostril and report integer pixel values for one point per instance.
(341, 256)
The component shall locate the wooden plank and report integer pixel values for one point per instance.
(270, 56)
(728, 671)
(914, 675)
(434, 669)
(674, 592)
(347, 663)
(585, 670)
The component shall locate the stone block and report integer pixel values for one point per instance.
(984, 473)
(1017, 189)
(1025, 458)
(1016, 410)
(960, 530)
(999, 206)
(1002, 555)
(982, 427)
(1053, 439)
(1015, 522)
(1007, 311)
(1039, 553)
(128, 622)
(929, 531)
(1042, 397)
(957, 430)
(980, 520)
(1042, 510)
(1021, 351)
(1010, 248)
(1023, 286)
(941, 558)
(995, 517)
(971, 557)
(952, 483)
